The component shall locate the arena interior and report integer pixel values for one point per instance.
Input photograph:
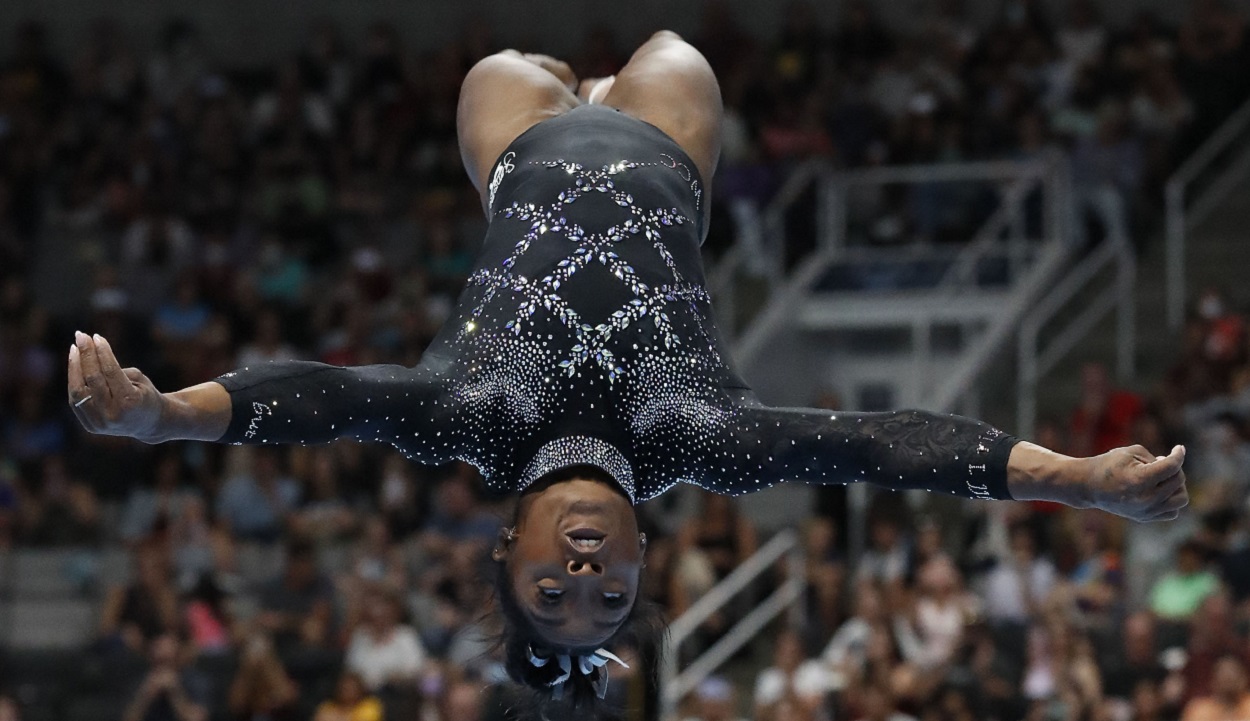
(1028, 211)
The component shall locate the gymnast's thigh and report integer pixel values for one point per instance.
(669, 84)
(502, 96)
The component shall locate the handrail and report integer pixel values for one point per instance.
(1179, 221)
(675, 685)
(1035, 362)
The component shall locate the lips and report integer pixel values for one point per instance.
(586, 540)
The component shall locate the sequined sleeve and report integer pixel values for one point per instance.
(305, 402)
(901, 450)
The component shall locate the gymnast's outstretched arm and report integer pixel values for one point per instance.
(281, 402)
(946, 453)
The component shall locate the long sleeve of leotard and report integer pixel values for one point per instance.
(900, 450)
(306, 402)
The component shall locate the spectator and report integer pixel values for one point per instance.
(848, 648)
(1137, 660)
(267, 343)
(714, 700)
(1229, 698)
(168, 692)
(888, 558)
(149, 509)
(462, 701)
(351, 702)
(383, 650)
(297, 607)
(1015, 589)
(255, 504)
(938, 617)
(136, 614)
(878, 705)
(1180, 592)
(261, 689)
(792, 676)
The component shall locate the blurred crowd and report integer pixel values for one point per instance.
(204, 216)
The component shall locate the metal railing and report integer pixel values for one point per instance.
(1217, 174)
(1113, 254)
(675, 684)
(767, 261)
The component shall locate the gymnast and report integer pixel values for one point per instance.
(582, 368)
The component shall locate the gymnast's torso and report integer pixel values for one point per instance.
(585, 335)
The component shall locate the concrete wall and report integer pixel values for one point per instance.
(243, 32)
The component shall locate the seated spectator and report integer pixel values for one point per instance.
(462, 701)
(297, 607)
(169, 692)
(934, 629)
(267, 344)
(714, 700)
(351, 702)
(1229, 698)
(255, 504)
(888, 557)
(849, 646)
(458, 517)
(324, 515)
(878, 704)
(65, 512)
(1179, 593)
(261, 689)
(139, 612)
(709, 547)
(826, 571)
(1016, 587)
(149, 508)
(376, 562)
(207, 618)
(1136, 661)
(383, 650)
(792, 676)
(1096, 581)
(1102, 419)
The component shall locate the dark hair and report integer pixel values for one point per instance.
(642, 630)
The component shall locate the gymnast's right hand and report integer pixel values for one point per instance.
(108, 399)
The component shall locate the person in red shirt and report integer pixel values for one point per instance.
(1105, 415)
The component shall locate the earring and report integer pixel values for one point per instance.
(512, 534)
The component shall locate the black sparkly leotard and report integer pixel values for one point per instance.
(585, 335)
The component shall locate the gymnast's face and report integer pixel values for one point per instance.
(575, 561)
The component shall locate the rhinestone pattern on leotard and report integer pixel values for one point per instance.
(585, 335)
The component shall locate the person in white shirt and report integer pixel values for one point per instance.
(1019, 583)
(792, 675)
(383, 650)
(849, 646)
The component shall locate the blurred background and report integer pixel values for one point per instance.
(1028, 211)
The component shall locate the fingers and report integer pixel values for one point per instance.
(1162, 469)
(78, 390)
(1177, 500)
(119, 386)
(92, 376)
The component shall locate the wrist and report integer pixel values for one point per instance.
(1035, 473)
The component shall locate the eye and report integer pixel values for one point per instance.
(613, 599)
(548, 593)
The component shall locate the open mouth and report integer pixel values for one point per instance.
(586, 539)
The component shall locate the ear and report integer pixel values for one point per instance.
(504, 544)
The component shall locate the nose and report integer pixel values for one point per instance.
(578, 568)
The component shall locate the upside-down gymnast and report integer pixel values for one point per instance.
(582, 368)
